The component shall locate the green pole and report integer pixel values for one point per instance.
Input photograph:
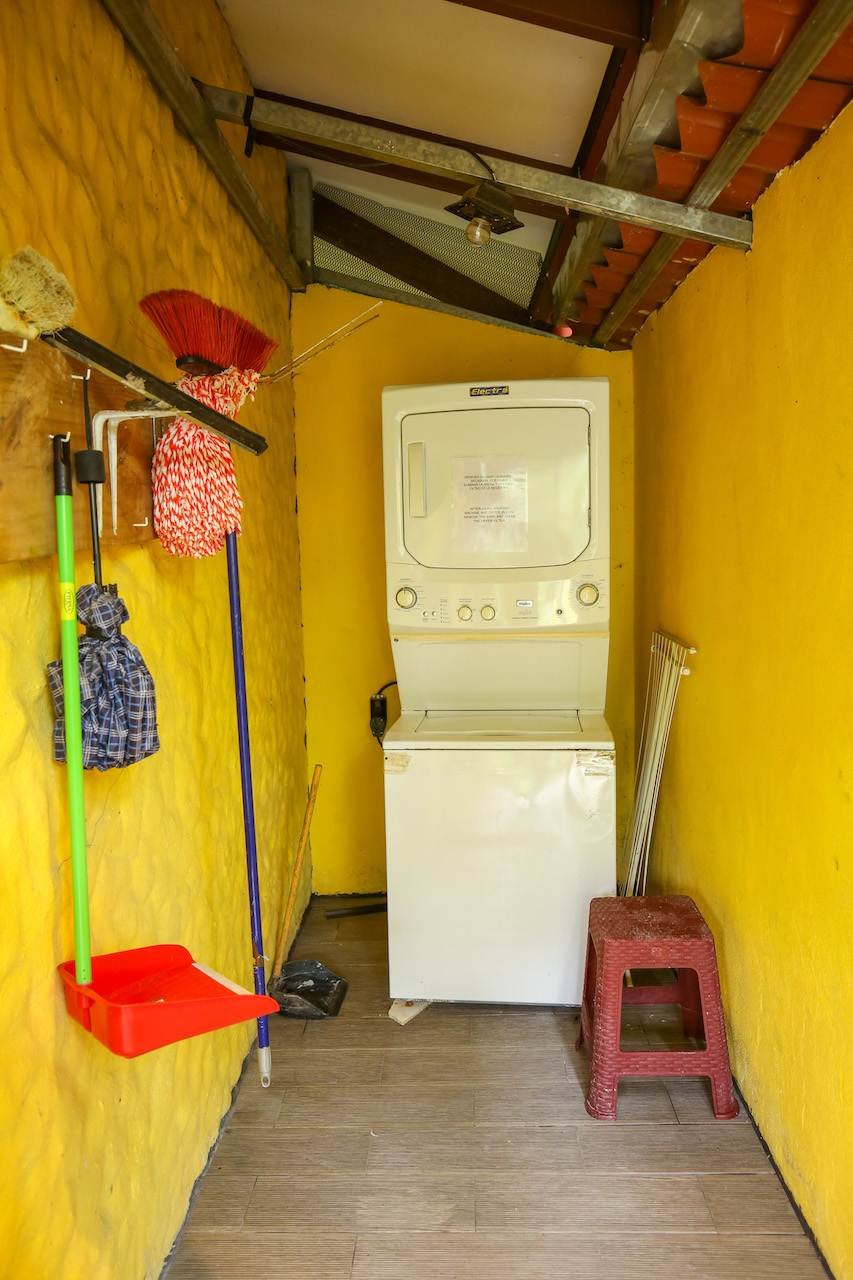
(71, 698)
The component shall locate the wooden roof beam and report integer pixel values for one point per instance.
(145, 36)
(623, 23)
(372, 244)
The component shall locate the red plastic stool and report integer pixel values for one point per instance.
(652, 933)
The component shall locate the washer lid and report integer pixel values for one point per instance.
(494, 730)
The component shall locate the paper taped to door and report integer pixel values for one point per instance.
(490, 503)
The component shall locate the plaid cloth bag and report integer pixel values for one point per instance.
(117, 696)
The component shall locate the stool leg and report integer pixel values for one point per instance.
(588, 988)
(601, 1097)
(722, 1089)
(690, 1001)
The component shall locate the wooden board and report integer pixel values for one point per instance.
(40, 398)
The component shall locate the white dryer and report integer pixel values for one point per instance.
(499, 775)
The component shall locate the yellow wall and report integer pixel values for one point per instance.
(744, 416)
(99, 1154)
(341, 529)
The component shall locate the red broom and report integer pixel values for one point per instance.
(197, 509)
(203, 337)
(196, 500)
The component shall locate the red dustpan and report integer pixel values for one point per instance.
(152, 996)
(132, 1001)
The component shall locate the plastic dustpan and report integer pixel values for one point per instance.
(149, 997)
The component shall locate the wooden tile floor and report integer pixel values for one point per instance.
(458, 1148)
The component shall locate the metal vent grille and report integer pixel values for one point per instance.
(508, 269)
(330, 258)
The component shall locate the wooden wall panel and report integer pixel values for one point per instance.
(39, 398)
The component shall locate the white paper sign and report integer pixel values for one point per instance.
(490, 503)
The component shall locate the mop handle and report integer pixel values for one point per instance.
(71, 701)
(264, 1055)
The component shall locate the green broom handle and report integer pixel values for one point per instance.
(71, 698)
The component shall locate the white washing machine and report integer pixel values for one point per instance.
(499, 775)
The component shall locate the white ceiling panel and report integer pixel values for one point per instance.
(429, 65)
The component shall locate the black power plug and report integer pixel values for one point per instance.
(378, 716)
(379, 712)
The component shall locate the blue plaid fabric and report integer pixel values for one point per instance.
(117, 697)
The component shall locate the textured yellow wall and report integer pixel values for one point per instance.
(744, 412)
(98, 1154)
(339, 451)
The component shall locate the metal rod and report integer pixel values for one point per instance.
(357, 138)
(71, 708)
(810, 45)
(94, 514)
(142, 382)
(264, 1055)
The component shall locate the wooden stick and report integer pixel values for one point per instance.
(297, 867)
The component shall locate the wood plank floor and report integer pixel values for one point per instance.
(458, 1148)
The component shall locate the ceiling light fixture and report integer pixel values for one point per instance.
(488, 210)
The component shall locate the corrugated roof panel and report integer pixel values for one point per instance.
(731, 89)
(729, 86)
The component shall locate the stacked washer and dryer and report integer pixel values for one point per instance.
(499, 774)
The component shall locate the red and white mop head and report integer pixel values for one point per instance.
(196, 500)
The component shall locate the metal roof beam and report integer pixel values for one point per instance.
(146, 38)
(683, 31)
(350, 138)
(623, 23)
(820, 31)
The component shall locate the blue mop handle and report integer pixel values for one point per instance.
(264, 1055)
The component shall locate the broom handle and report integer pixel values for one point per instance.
(297, 867)
(71, 708)
(264, 1056)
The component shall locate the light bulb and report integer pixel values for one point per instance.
(478, 232)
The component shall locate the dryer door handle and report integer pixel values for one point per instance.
(417, 478)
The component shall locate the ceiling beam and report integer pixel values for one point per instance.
(148, 41)
(559, 190)
(372, 244)
(354, 284)
(683, 32)
(820, 31)
(542, 300)
(314, 152)
(620, 69)
(623, 23)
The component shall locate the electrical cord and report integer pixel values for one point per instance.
(379, 712)
(489, 170)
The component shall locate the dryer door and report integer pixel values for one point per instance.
(497, 488)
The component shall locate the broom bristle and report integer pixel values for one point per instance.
(195, 326)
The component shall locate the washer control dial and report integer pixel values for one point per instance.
(588, 593)
(406, 598)
(465, 613)
(487, 612)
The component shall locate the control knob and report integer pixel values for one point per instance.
(588, 593)
(406, 598)
(487, 612)
(465, 613)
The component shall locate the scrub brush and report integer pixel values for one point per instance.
(34, 297)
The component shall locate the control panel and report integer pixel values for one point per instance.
(581, 601)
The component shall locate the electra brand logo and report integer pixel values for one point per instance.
(489, 391)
